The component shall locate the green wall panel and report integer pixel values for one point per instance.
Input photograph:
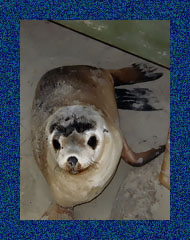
(145, 38)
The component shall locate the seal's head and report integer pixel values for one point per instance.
(76, 137)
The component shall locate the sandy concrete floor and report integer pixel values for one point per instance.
(44, 46)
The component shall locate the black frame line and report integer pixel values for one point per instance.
(108, 44)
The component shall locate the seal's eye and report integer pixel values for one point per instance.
(92, 142)
(56, 144)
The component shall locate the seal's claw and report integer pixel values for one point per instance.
(162, 148)
(147, 71)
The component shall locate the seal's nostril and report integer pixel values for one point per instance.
(72, 161)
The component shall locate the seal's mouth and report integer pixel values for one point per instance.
(73, 171)
(79, 169)
(76, 170)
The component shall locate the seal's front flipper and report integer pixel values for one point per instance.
(140, 159)
(56, 212)
(138, 99)
(136, 74)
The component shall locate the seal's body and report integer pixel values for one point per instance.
(76, 138)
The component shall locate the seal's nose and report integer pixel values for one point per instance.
(72, 161)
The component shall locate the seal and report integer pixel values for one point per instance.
(76, 139)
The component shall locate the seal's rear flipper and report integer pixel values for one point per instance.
(140, 159)
(138, 73)
(138, 99)
(56, 212)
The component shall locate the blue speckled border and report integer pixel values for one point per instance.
(11, 13)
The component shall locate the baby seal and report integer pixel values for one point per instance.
(76, 139)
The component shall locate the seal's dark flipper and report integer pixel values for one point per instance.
(138, 73)
(140, 159)
(138, 99)
(56, 212)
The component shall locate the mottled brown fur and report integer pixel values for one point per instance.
(86, 86)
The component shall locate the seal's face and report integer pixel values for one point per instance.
(76, 138)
